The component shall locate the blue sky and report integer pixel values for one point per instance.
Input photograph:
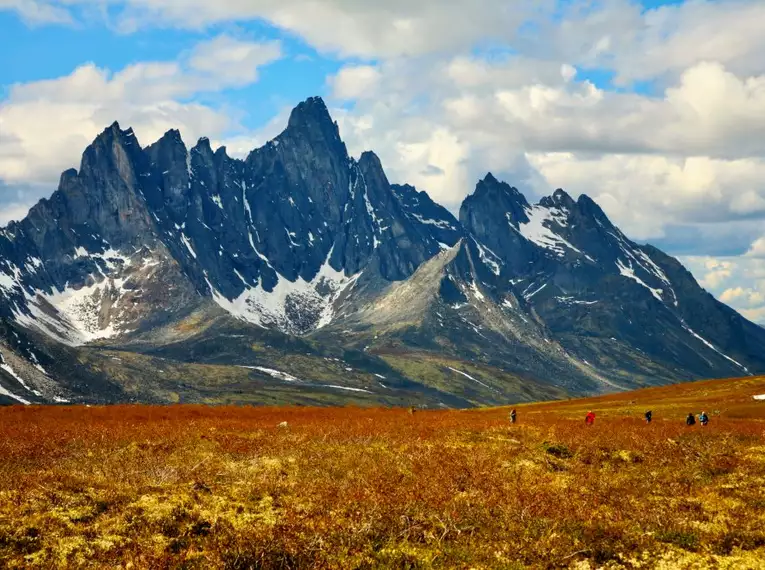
(300, 75)
(655, 109)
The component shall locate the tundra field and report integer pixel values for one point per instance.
(203, 487)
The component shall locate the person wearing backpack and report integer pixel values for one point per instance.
(690, 420)
(589, 419)
(648, 416)
(512, 416)
(703, 418)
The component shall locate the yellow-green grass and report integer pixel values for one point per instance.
(223, 487)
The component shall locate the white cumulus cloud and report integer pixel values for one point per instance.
(355, 82)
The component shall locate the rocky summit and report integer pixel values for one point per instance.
(302, 275)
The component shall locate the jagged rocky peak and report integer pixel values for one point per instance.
(101, 203)
(307, 164)
(491, 186)
(420, 207)
(169, 160)
(588, 207)
(114, 130)
(67, 177)
(559, 198)
(372, 170)
(174, 135)
(310, 126)
(112, 148)
(370, 162)
(311, 111)
(169, 144)
(495, 199)
(203, 146)
(493, 216)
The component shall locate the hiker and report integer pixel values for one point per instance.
(690, 420)
(703, 418)
(648, 416)
(589, 419)
(512, 416)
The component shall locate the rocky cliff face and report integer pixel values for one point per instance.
(300, 239)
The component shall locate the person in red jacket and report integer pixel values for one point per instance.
(589, 419)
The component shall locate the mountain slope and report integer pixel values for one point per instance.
(303, 267)
(591, 284)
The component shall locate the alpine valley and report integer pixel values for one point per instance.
(301, 275)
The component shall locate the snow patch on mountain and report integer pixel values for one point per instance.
(469, 377)
(528, 296)
(187, 243)
(13, 396)
(110, 258)
(636, 258)
(36, 363)
(713, 347)
(538, 231)
(476, 291)
(278, 374)
(443, 224)
(370, 209)
(34, 262)
(11, 372)
(573, 300)
(292, 306)
(658, 272)
(74, 316)
(490, 259)
(629, 272)
(10, 281)
(286, 377)
(510, 305)
(348, 388)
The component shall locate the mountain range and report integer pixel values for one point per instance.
(302, 275)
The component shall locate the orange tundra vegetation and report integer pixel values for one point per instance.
(198, 487)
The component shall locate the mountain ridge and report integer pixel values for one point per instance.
(147, 249)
